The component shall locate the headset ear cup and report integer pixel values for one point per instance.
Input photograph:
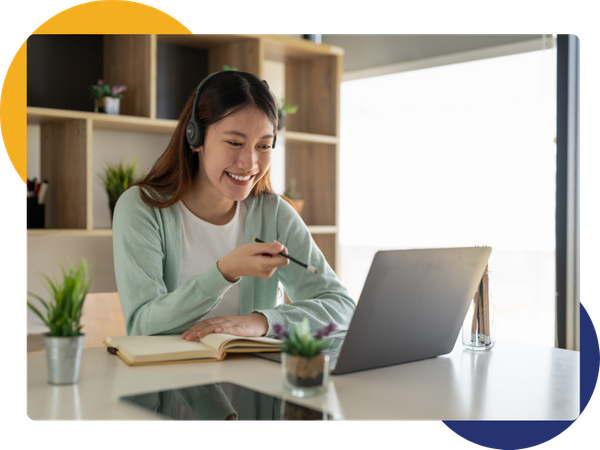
(190, 134)
(274, 142)
(194, 133)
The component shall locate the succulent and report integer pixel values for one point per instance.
(300, 342)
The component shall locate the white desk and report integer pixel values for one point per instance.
(510, 382)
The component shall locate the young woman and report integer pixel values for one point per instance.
(185, 261)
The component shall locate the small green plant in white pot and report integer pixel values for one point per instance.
(62, 315)
(107, 99)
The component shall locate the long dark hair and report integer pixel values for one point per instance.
(225, 93)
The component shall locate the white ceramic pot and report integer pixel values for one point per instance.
(112, 105)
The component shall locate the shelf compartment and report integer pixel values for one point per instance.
(61, 69)
(65, 160)
(128, 60)
(179, 71)
(313, 85)
(327, 243)
(313, 166)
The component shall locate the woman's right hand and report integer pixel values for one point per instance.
(253, 260)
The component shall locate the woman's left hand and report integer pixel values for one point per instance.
(253, 325)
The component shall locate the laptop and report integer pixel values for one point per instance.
(412, 307)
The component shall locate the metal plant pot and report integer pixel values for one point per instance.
(63, 358)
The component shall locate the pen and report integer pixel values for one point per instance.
(291, 258)
(30, 188)
(42, 192)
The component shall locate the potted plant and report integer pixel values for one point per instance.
(107, 99)
(116, 179)
(64, 341)
(305, 368)
(285, 109)
(294, 197)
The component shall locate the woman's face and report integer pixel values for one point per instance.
(236, 154)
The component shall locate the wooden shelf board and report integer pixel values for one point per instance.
(322, 229)
(277, 47)
(99, 120)
(69, 232)
(131, 123)
(309, 137)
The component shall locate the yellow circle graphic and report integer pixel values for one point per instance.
(83, 17)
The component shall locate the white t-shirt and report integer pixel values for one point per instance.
(203, 244)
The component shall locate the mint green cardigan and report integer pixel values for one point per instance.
(147, 244)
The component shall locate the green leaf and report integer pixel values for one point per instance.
(67, 297)
(37, 312)
(117, 178)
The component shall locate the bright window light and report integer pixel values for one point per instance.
(458, 155)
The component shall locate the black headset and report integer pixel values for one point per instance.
(194, 131)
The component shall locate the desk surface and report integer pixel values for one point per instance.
(510, 382)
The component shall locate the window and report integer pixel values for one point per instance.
(458, 155)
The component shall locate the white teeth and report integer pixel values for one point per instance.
(238, 177)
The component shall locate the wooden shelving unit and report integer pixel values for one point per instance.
(160, 72)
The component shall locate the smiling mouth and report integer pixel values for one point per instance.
(239, 178)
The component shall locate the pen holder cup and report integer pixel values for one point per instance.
(35, 213)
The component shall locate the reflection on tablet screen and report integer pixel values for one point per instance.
(223, 401)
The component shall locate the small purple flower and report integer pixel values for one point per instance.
(100, 83)
(326, 330)
(118, 89)
(280, 331)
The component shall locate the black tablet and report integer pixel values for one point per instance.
(223, 401)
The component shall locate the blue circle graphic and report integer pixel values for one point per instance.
(505, 435)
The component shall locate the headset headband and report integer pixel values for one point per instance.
(194, 131)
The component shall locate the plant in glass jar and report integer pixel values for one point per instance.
(305, 368)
